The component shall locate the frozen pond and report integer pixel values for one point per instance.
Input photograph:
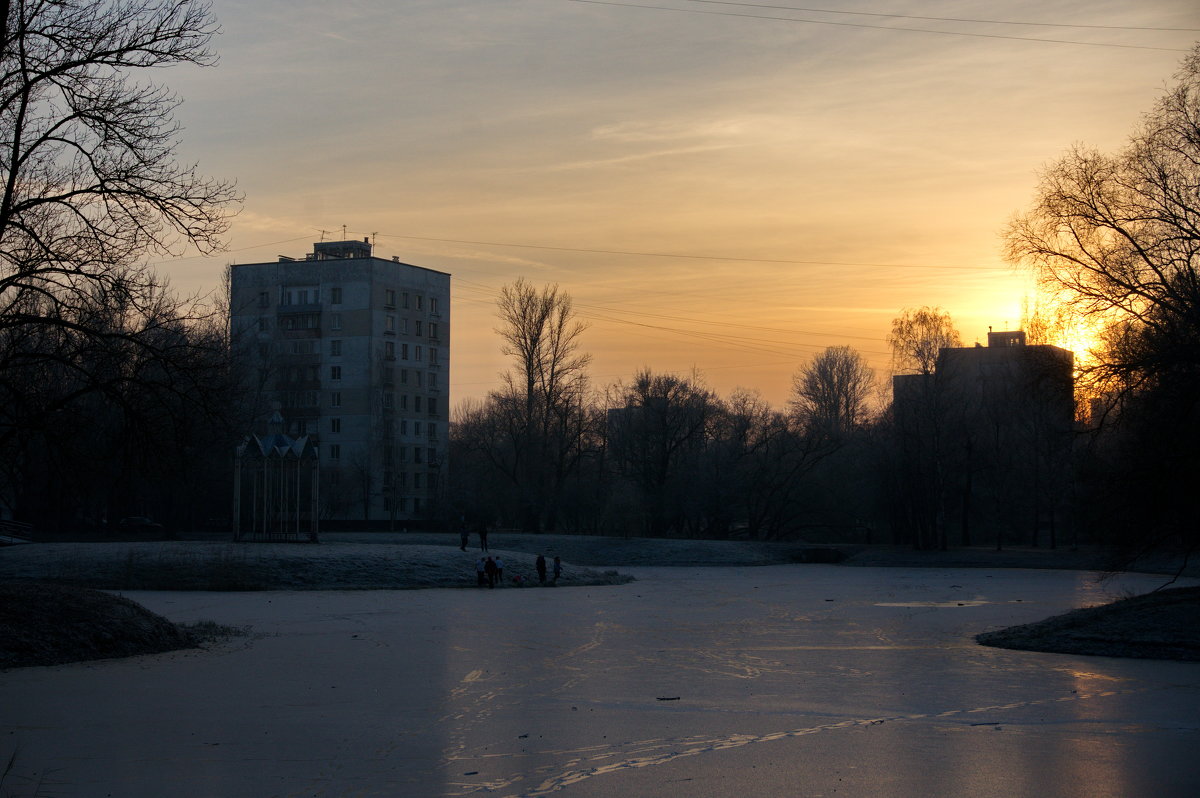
(771, 681)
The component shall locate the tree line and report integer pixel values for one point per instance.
(118, 397)
(663, 455)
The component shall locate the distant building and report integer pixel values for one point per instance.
(354, 352)
(985, 440)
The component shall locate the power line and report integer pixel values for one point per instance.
(781, 330)
(879, 27)
(948, 19)
(732, 259)
(744, 342)
(227, 251)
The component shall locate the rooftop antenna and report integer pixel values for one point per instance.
(343, 232)
(323, 232)
(373, 238)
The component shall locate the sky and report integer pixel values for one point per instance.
(722, 188)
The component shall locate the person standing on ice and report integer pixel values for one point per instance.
(540, 565)
(557, 568)
(489, 568)
(500, 570)
(483, 532)
(480, 571)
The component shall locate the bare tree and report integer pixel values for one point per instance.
(542, 408)
(1117, 238)
(90, 184)
(917, 336)
(830, 393)
(89, 187)
(657, 440)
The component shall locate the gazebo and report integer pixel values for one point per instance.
(275, 486)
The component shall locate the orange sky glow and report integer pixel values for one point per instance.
(717, 190)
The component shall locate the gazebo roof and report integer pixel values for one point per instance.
(277, 445)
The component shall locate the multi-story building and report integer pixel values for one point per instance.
(353, 351)
(986, 437)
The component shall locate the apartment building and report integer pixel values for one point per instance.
(985, 443)
(354, 351)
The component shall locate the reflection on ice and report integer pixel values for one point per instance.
(780, 691)
(968, 603)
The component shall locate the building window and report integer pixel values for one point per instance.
(335, 321)
(389, 298)
(335, 425)
(433, 354)
(417, 350)
(419, 373)
(418, 328)
(312, 374)
(335, 348)
(390, 325)
(432, 306)
(389, 375)
(416, 482)
(403, 351)
(432, 330)
(335, 399)
(419, 301)
(431, 456)
(404, 300)
(404, 376)
(264, 325)
(264, 299)
(389, 400)
(335, 451)
(432, 380)
(403, 401)
(389, 350)
(432, 430)
(335, 295)
(335, 372)
(416, 428)
(404, 326)
(432, 406)
(417, 455)
(300, 296)
(404, 426)
(403, 453)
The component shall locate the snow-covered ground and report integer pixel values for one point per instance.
(209, 565)
(794, 680)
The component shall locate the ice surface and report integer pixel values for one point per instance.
(795, 680)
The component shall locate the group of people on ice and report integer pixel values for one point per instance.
(490, 571)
